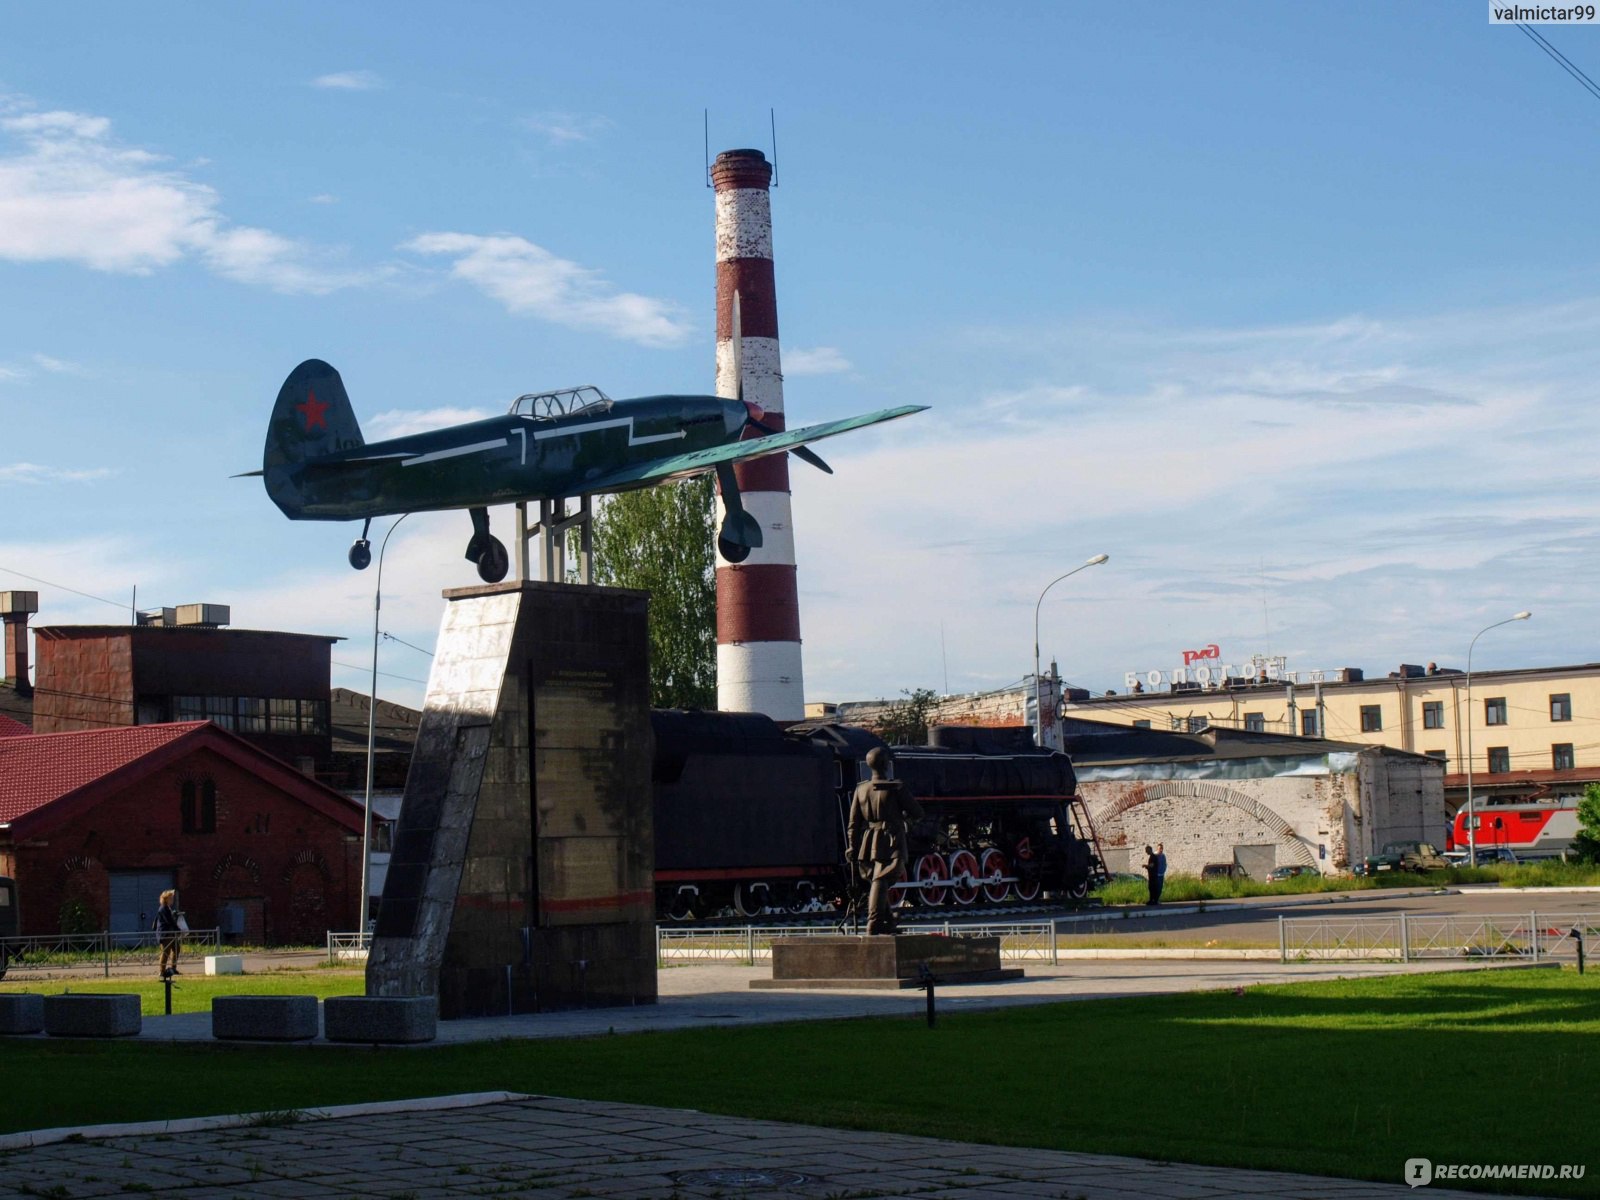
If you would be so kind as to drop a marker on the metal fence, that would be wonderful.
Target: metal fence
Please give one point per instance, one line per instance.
(75, 951)
(1529, 936)
(348, 947)
(753, 943)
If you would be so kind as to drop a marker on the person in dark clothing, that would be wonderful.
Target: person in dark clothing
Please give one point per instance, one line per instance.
(1161, 873)
(876, 850)
(1151, 876)
(169, 933)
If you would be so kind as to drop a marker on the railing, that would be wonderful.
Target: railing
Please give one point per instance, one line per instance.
(344, 947)
(753, 943)
(1530, 936)
(68, 951)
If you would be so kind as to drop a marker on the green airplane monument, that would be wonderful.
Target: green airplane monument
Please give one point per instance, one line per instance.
(550, 445)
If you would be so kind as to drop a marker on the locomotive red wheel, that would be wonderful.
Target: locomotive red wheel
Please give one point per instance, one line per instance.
(964, 863)
(993, 866)
(750, 899)
(933, 879)
(1027, 889)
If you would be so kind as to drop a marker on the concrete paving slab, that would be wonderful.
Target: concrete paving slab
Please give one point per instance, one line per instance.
(535, 1146)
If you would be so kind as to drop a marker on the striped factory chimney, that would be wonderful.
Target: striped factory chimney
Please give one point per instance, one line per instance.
(758, 602)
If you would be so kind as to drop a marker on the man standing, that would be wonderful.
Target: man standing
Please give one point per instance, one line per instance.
(1161, 873)
(876, 849)
(1154, 884)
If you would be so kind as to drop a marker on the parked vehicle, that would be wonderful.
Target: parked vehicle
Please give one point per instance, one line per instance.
(1403, 856)
(1486, 856)
(1230, 870)
(1294, 871)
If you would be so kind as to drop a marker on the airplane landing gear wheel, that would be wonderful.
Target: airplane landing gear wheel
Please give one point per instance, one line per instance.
(361, 554)
(493, 561)
(734, 552)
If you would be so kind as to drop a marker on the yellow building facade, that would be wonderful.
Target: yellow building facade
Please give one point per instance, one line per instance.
(1531, 732)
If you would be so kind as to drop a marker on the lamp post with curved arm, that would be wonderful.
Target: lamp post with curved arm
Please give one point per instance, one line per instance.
(372, 731)
(1038, 706)
(1472, 831)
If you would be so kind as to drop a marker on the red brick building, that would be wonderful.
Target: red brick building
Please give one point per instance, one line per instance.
(95, 824)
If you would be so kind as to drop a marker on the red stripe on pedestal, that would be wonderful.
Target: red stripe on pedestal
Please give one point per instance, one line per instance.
(757, 604)
(752, 278)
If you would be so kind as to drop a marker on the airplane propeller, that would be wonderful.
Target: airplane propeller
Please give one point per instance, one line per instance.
(756, 419)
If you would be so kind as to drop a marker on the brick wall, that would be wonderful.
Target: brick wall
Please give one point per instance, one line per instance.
(294, 871)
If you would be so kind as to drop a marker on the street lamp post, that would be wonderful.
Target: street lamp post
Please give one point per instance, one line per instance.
(1038, 706)
(372, 731)
(1472, 832)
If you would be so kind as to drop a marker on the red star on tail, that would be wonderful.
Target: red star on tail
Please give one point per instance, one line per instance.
(312, 410)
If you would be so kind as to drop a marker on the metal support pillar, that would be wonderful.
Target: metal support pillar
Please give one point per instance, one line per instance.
(551, 532)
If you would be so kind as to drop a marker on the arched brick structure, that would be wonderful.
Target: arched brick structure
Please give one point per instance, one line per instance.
(1109, 814)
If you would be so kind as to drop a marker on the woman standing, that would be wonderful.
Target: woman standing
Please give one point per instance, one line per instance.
(169, 933)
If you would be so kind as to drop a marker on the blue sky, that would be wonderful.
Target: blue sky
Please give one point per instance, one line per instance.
(1290, 309)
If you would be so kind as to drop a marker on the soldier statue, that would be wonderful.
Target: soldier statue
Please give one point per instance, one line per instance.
(876, 851)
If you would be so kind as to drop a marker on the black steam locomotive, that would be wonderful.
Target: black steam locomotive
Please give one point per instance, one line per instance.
(751, 817)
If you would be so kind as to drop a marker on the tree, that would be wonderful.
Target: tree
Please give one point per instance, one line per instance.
(905, 722)
(661, 540)
(1587, 844)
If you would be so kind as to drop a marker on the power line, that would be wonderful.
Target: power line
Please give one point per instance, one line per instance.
(391, 638)
(63, 587)
(1562, 61)
(385, 674)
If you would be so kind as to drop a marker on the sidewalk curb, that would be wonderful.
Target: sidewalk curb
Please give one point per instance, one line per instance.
(46, 1137)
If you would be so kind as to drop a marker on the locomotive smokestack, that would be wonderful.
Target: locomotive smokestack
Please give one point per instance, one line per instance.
(758, 602)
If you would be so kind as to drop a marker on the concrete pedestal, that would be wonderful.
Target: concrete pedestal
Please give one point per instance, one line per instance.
(21, 1012)
(224, 964)
(264, 1018)
(522, 877)
(884, 961)
(86, 1014)
(380, 1019)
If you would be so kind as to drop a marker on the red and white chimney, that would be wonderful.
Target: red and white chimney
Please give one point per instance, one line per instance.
(758, 601)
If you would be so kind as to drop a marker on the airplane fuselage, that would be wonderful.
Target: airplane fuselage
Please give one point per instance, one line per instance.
(501, 460)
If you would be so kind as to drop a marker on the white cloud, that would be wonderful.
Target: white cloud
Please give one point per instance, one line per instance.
(349, 81)
(323, 198)
(69, 192)
(529, 280)
(564, 128)
(819, 360)
(57, 366)
(25, 472)
(400, 422)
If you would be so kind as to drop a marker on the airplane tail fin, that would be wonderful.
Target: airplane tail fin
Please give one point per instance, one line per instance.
(311, 418)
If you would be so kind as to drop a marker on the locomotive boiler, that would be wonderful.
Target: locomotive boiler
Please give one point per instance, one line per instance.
(750, 817)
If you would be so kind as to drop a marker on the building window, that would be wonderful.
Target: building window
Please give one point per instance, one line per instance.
(1255, 723)
(252, 714)
(1494, 711)
(1561, 707)
(1442, 755)
(188, 708)
(284, 716)
(1499, 760)
(1562, 758)
(1371, 718)
(198, 806)
(1433, 714)
(1308, 723)
(219, 709)
(1141, 724)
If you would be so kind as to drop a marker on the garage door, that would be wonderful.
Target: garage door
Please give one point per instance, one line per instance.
(135, 897)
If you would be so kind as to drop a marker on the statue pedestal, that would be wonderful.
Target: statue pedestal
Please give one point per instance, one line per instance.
(884, 961)
(523, 872)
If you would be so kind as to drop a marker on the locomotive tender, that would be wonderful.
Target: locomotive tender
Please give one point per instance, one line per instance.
(751, 816)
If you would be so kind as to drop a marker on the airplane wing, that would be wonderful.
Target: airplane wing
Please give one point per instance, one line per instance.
(699, 461)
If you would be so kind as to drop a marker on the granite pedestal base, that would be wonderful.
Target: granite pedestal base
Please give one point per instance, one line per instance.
(21, 1012)
(85, 1014)
(264, 1018)
(380, 1019)
(884, 961)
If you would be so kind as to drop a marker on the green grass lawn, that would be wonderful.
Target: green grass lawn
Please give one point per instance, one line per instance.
(193, 993)
(1188, 888)
(1347, 1079)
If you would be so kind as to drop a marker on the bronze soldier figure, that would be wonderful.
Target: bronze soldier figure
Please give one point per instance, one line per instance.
(876, 850)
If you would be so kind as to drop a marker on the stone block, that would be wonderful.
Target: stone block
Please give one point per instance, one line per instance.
(264, 1018)
(373, 1019)
(21, 1012)
(87, 1014)
(224, 964)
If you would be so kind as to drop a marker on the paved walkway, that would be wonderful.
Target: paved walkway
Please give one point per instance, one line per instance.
(551, 1149)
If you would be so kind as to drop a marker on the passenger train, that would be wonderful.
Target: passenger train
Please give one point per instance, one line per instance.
(1527, 830)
